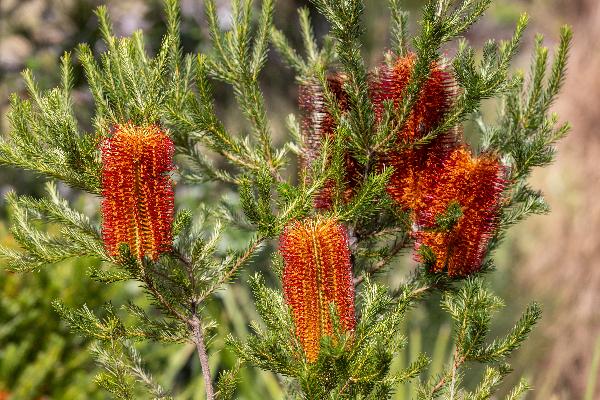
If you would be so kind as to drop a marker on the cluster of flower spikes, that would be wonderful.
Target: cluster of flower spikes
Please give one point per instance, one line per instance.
(318, 124)
(430, 178)
(475, 185)
(421, 180)
(137, 190)
(317, 272)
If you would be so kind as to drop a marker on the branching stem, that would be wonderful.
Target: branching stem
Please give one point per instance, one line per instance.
(398, 246)
(244, 257)
(198, 338)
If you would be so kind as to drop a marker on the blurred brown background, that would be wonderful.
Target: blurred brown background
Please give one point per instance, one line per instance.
(554, 259)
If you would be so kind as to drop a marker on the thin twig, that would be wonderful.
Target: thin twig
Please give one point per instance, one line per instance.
(398, 246)
(420, 290)
(158, 296)
(188, 266)
(233, 270)
(196, 328)
(455, 365)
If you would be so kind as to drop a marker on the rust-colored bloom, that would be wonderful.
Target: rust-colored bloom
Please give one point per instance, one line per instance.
(317, 272)
(138, 203)
(473, 184)
(318, 124)
(435, 98)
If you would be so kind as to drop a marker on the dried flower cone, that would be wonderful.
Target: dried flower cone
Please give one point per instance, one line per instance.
(435, 98)
(138, 203)
(317, 272)
(318, 123)
(476, 184)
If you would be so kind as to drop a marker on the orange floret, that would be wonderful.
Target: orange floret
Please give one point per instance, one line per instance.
(138, 198)
(473, 184)
(317, 272)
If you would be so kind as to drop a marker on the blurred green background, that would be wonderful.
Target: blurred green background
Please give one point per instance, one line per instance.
(553, 259)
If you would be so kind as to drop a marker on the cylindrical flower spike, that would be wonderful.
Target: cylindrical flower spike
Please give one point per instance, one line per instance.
(317, 272)
(435, 98)
(318, 123)
(138, 203)
(473, 184)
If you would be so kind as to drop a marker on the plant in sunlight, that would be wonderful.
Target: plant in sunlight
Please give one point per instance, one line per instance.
(383, 168)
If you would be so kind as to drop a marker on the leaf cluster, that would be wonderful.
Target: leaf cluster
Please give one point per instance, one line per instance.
(471, 308)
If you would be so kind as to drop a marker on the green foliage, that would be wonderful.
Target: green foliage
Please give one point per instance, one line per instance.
(315, 58)
(46, 360)
(127, 84)
(471, 309)
(526, 132)
(123, 369)
(45, 137)
(349, 366)
(77, 235)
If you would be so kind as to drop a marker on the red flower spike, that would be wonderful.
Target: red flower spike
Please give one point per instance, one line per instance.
(317, 272)
(436, 97)
(434, 100)
(476, 185)
(138, 203)
(317, 124)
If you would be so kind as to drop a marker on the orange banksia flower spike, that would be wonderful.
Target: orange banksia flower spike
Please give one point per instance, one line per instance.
(317, 272)
(474, 186)
(318, 123)
(435, 99)
(138, 198)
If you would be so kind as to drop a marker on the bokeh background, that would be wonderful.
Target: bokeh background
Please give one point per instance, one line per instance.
(554, 259)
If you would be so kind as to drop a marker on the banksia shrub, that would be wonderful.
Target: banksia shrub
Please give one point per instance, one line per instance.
(460, 212)
(451, 200)
(317, 272)
(317, 125)
(137, 208)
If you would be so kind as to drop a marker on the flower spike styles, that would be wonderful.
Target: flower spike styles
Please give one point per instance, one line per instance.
(138, 203)
(460, 212)
(317, 272)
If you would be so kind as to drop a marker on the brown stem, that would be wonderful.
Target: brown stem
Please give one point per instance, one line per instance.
(458, 361)
(197, 334)
(159, 297)
(198, 338)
